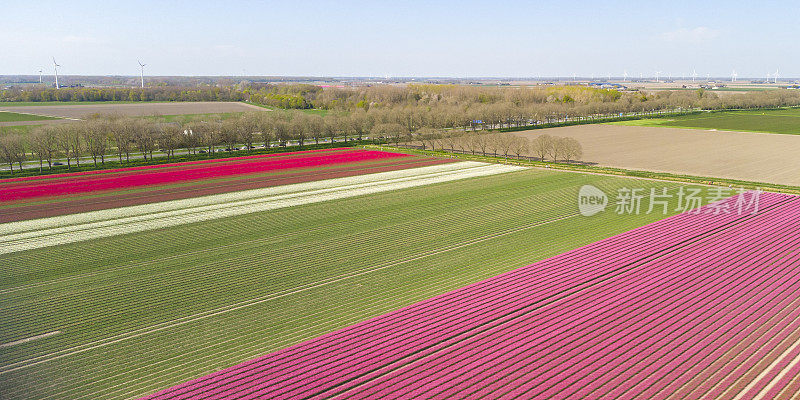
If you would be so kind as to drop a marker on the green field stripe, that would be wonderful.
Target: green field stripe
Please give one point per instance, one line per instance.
(308, 249)
(782, 121)
(167, 274)
(6, 116)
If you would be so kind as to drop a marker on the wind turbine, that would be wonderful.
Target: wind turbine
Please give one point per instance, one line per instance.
(733, 76)
(55, 68)
(142, 66)
(694, 74)
(625, 75)
(776, 75)
(657, 73)
(40, 75)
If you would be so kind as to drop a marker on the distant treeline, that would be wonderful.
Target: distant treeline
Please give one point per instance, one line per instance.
(39, 94)
(535, 102)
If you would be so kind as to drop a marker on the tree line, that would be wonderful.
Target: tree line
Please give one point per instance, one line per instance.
(499, 144)
(102, 136)
(531, 102)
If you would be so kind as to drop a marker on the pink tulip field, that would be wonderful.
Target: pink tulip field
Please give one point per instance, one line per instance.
(693, 306)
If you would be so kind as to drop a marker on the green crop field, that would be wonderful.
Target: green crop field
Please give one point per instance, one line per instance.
(17, 117)
(312, 111)
(66, 103)
(128, 315)
(785, 121)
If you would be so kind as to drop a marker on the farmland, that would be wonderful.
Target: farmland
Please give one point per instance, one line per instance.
(140, 299)
(694, 306)
(4, 104)
(17, 117)
(734, 155)
(28, 198)
(785, 121)
(131, 109)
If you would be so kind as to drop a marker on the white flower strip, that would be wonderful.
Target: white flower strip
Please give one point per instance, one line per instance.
(129, 211)
(156, 219)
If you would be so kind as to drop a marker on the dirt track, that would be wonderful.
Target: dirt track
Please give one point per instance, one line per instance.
(736, 155)
(135, 109)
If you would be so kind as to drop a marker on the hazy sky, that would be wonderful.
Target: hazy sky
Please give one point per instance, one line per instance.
(401, 38)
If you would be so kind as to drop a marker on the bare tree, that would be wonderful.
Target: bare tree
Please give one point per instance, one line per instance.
(229, 133)
(189, 138)
(12, 150)
(281, 131)
(361, 123)
(145, 139)
(75, 142)
(542, 146)
(572, 149)
(481, 142)
(520, 146)
(298, 128)
(504, 142)
(449, 140)
(170, 137)
(314, 127)
(331, 126)
(428, 137)
(206, 134)
(247, 126)
(122, 130)
(43, 145)
(94, 136)
(390, 131)
(558, 148)
(265, 123)
(63, 142)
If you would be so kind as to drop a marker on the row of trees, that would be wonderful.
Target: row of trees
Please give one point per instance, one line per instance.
(111, 135)
(533, 103)
(104, 136)
(90, 94)
(544, 147)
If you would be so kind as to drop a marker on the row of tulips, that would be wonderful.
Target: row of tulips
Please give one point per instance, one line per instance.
(692, 306)
(112, 180)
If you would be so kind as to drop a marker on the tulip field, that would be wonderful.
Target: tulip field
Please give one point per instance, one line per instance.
(693, 306)
(350, 273)
(50, 195)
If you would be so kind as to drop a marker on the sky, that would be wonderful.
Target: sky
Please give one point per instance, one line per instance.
(401, 38)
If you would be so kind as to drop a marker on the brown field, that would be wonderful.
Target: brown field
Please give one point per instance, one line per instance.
(735, 155)
(40, 122)
(136, 109)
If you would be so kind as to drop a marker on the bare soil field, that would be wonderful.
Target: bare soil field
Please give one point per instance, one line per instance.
(40, 122)
(137, 109)
(760, 157)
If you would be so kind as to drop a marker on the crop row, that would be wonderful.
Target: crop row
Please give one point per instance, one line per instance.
(102, 182)
(265, 253)
(25, 210)
(554, 328)
(177, 165)
(102, 224)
